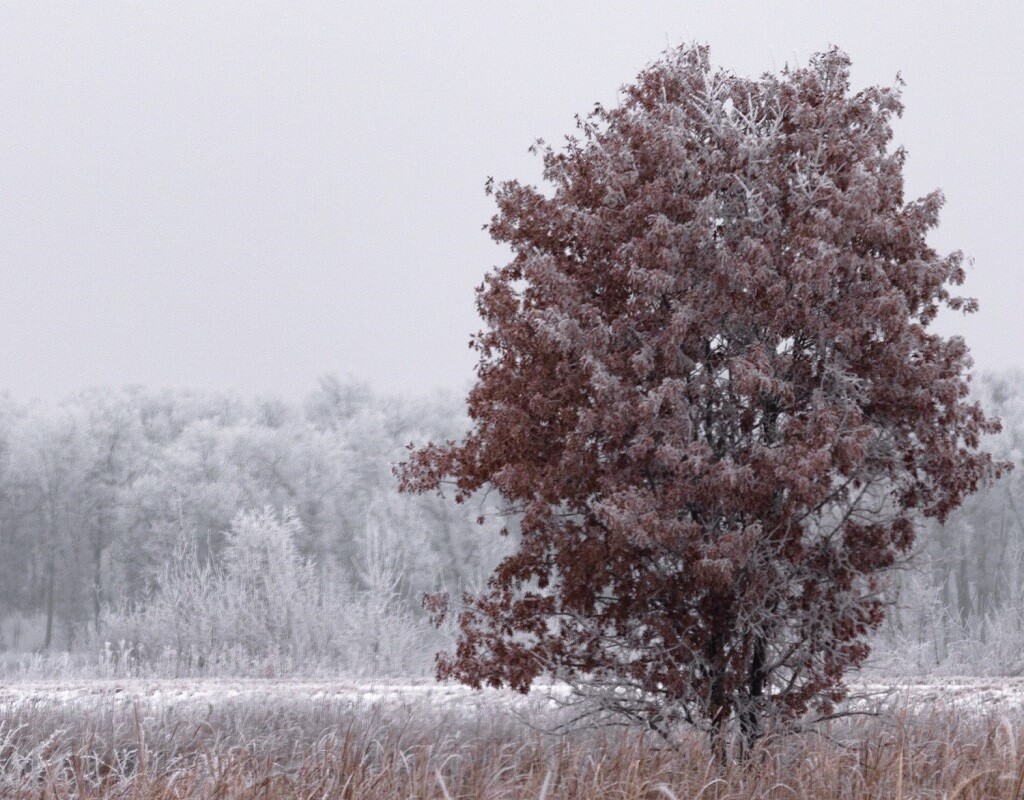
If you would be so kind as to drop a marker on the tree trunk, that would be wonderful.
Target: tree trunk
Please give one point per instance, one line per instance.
(51, 572)
(963, 586)
(718, 733)
(750, 721)
(97, 577)
(719, 707)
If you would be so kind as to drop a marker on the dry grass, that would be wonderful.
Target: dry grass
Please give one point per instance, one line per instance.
(334, 750)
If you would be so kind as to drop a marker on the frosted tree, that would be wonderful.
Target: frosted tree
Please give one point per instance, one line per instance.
(707, 382)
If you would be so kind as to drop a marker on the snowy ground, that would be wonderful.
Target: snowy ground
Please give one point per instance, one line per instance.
(997, 695)
(203, 692)
(978, 694)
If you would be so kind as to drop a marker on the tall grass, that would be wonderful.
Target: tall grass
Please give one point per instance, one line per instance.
(334, 749)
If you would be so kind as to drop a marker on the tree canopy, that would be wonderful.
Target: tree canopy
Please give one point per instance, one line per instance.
(708, 388)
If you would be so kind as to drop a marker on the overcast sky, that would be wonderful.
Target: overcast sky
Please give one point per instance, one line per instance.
(252, 194)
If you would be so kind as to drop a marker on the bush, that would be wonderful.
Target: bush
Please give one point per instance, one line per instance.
(263, 610)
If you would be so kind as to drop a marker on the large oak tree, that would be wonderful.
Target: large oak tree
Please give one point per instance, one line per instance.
(708, 385)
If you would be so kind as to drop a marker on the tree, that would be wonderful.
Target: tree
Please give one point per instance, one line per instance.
(50, 458)
(112, 452)
(708, 386)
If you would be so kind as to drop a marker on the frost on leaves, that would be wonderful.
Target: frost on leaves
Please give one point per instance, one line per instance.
(707, 382)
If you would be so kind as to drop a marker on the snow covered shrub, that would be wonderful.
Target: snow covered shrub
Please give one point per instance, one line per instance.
(264, 610)
(913, 639)
(927, 634)
(385, 636)
(270, 594)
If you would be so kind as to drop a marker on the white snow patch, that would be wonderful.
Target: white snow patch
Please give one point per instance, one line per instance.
(975, 694)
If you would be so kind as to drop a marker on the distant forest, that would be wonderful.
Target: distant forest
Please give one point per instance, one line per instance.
(114, 502)
(101, 494)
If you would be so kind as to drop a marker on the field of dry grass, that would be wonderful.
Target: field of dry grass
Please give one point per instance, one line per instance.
(244, 747)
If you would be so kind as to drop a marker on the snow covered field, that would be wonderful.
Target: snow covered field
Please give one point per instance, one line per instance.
(983, 695)
(189, 695)
(182, 693)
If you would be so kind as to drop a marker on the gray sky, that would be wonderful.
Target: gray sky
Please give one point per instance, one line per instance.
(251, 194)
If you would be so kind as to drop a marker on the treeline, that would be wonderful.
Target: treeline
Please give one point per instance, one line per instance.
(958, 603)
(101, 493)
